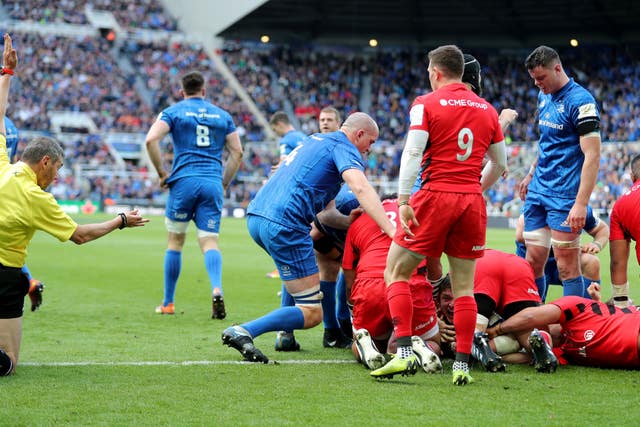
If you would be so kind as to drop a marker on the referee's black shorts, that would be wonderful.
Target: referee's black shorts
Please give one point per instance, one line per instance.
(14, 285)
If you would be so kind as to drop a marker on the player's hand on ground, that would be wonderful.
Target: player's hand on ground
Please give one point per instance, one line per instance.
(36, 288)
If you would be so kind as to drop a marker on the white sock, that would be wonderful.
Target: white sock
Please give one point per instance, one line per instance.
(404, 351)
(621, 295)
(459, 365)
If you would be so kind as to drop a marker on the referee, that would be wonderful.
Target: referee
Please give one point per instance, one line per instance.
(25, 207)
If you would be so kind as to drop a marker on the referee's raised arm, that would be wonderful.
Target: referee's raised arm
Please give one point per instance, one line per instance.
(9, 63)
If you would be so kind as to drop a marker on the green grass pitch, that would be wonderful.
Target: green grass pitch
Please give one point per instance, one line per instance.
(97, 354)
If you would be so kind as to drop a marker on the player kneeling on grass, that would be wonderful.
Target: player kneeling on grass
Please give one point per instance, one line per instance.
(280, 215)
(364, 262)
(503, 284)
(25, 207)
(491, 284)
(592, 333)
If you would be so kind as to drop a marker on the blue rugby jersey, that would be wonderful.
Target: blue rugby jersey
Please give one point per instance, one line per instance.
(290, 141)
(346, 201)
(307, 180)
(560, 159)
(199, 130)
(11, 134)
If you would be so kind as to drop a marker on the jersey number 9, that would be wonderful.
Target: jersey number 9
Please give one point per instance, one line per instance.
(465, 142)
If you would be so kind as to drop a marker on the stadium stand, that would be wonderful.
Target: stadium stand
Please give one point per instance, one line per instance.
(148, 14)
(121, 84)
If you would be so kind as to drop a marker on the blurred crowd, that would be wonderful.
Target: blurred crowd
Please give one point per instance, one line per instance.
(141, 14)
(74, 74)
(84, 74)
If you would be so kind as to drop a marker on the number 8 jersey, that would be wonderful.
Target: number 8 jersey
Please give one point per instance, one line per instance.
(198, 129)
(461, 126)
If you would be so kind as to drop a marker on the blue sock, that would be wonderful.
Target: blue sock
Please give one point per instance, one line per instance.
(286, 300)
(213, 264)
(573, 286)
(280, 319)
(587, 283)
(342, 309)
(26, 271)
(172, 266)
(329, 304)
(541, 283)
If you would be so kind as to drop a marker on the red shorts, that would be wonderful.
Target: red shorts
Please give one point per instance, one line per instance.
(453, 223)
(371, 310)
(508, 291)
(505, 279)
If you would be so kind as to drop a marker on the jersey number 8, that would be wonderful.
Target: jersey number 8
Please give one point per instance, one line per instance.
(202, 136)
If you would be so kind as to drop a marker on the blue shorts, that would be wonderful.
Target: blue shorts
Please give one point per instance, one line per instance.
(291, 250)
(542, 211)
(196, 198)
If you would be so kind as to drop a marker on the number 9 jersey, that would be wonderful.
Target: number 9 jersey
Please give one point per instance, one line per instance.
(461, 127)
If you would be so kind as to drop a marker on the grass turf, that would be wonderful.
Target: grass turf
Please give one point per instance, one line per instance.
(97, 354)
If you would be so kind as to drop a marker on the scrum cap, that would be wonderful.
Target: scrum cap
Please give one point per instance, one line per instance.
(471, 74)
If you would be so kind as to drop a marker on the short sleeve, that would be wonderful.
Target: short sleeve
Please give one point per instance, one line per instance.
(50, 218)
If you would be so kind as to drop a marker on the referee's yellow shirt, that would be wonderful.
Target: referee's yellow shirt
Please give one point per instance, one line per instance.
(25, 208)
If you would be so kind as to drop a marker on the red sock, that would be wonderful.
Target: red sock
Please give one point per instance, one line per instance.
(400, 307)
(465, 311)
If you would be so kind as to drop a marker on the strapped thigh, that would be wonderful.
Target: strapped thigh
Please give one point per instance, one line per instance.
(566, 244)
(311, 296)
(539, 237)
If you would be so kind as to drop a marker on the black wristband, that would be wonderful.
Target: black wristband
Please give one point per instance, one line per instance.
(402, 203)
(123, 218)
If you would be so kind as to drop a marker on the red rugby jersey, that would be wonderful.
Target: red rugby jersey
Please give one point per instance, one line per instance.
(461, 127)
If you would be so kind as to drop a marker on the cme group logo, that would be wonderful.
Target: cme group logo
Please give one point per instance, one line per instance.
(443, 102)
(588, 335)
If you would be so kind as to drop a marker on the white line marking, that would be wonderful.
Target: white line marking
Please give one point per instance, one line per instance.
(188, 363)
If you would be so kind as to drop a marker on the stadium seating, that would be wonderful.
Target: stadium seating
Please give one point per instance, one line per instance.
(123, 86)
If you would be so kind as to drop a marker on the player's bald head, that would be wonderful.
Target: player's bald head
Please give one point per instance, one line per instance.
(360, 120)
(361, 130)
